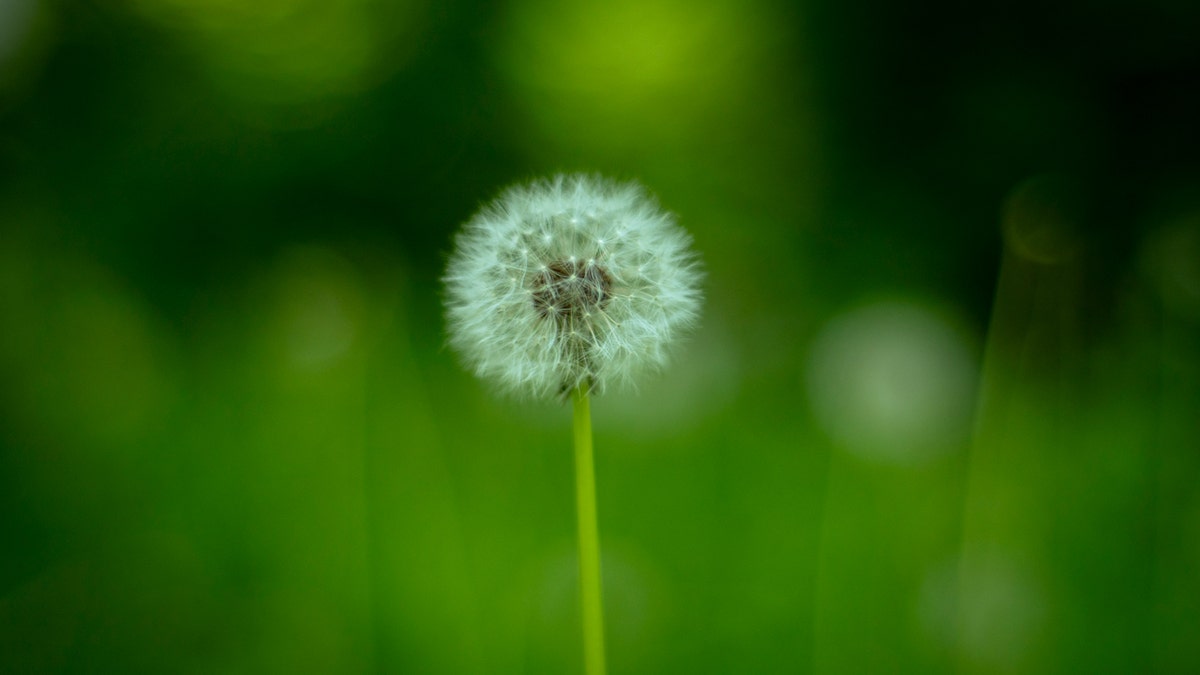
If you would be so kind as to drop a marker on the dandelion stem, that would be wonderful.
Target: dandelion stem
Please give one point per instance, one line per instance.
(589, 536)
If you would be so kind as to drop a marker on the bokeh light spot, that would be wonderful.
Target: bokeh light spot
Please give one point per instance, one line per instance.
(290, 51)
(86, 357)
(986, 607)
(1170, 257)
(892, 382)
(16, 21)
(1041, 219)
(318, 308)
(701, 381)
(636, 600)
(605, 74)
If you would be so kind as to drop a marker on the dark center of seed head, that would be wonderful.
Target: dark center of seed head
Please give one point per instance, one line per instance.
(568, 290)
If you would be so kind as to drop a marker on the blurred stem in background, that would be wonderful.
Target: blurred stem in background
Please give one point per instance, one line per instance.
(589, 536)
(1028, 395)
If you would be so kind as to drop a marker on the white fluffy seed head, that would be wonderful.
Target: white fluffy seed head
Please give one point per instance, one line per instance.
(567, 282)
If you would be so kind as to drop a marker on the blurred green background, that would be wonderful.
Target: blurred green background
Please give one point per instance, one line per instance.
(941, 414)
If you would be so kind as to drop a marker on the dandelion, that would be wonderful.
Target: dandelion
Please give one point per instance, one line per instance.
(563, 287)
(570, 282)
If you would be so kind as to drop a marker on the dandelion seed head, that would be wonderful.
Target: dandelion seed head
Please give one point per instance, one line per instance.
(571, 281)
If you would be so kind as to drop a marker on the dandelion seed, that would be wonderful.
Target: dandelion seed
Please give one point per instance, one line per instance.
(608, 280)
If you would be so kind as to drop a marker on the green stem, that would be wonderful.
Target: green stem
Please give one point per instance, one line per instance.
(589, 536)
